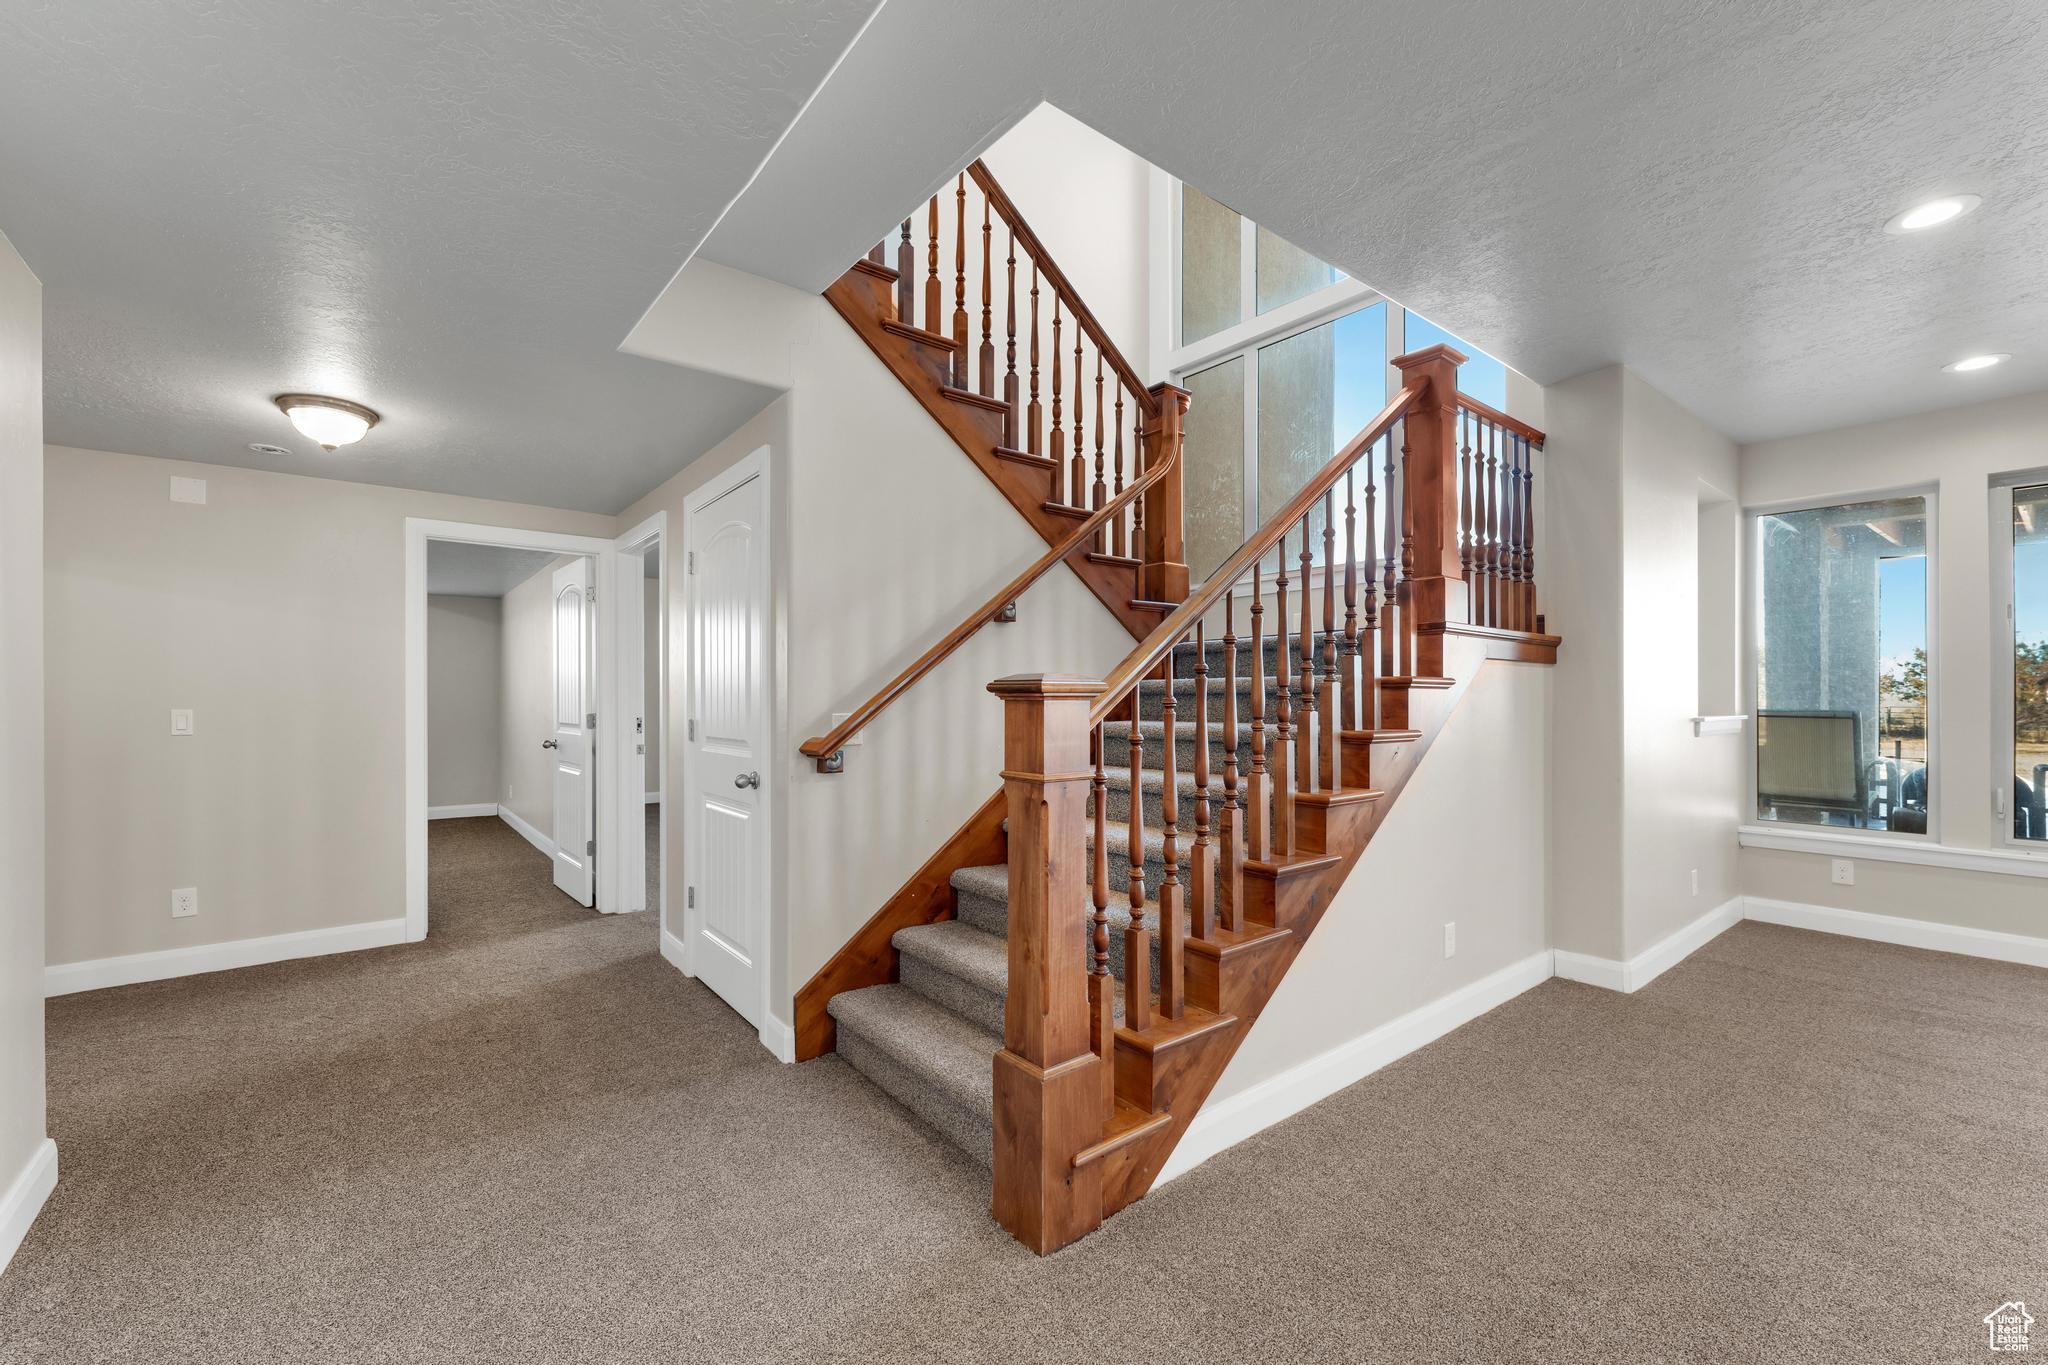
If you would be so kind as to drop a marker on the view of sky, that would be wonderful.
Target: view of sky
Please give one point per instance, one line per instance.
(1902, 610)
(2030, 598)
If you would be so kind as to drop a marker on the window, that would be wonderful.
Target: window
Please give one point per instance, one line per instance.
(2030, 664)
(1285, 359)
(1842, 666)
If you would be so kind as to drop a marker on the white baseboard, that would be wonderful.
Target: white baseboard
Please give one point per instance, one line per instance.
(526, 831)
(1225, 1123)
(673, 953)
(24, 1199)
(1909, 933)
(65, 978)
(468, 812)
(654, 798)
(779, 1038)
(1646, 966)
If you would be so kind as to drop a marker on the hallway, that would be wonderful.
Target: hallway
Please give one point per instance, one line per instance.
(530, 1139)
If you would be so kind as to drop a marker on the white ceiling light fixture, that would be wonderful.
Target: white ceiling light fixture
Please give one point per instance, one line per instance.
(1932, 214)
(1976, 362)
(332, 422)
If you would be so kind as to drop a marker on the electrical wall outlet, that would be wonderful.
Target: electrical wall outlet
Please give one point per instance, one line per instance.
(181, 721)
(1844, 872)
(185, 902)
(1450, 938)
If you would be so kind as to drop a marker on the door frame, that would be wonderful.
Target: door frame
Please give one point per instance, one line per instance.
(418, 531)
(628, 767)
(775, 1032)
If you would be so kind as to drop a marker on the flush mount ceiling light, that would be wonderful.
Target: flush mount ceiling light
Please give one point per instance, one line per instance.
(330, 421)
(1931, 214)
(1976, 362)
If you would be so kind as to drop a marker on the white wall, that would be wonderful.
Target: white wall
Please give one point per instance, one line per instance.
(27, 1160)
(1958, 453)
(1641, 802)
(276, 611)
(463, 644)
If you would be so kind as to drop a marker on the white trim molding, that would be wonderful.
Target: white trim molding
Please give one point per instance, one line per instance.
(1659, 958)
(25, 1197)
(1718, 725)
(779, 1038)
(674, 953)
(1225, 1123)
(1893, 848)
(66, 978)
(654, 798)
(462, 812)
(527, 831)
(1907, 933)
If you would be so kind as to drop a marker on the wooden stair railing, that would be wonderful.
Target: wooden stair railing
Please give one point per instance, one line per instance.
(827, 750)
(1086, 1108)
(1018, 370)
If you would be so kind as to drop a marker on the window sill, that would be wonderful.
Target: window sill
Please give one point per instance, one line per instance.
(1878, 848)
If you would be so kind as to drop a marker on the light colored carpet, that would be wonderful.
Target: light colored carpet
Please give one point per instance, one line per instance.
(529, 1139)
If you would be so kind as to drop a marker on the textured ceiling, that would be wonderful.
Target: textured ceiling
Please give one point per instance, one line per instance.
(451, 211)
(457, 569)
(1694, 189)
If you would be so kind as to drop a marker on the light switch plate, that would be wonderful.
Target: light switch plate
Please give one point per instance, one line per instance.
(188, 490)
(181, 721)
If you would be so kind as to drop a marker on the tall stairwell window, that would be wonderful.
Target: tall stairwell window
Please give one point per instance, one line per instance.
(1286, 358)
(2029, 618)
(1843, 724)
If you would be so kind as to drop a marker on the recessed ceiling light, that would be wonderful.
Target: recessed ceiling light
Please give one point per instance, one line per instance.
(262, 449)
(1933, 213)
(1976, 362)
(330, 421)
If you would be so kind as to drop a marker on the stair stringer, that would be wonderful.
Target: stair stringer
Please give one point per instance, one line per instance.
(1293, 896)
(922, 361)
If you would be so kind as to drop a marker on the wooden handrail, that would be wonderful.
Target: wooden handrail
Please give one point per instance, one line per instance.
(825, 749)
(1141, 661)
(1489, 413)
(1065, 287)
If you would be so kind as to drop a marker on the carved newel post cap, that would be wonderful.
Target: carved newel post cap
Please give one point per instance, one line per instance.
(1429, 355)
(1046, 685)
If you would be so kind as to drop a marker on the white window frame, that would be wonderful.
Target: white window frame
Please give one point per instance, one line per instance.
(1759, 832)
(2004, 668)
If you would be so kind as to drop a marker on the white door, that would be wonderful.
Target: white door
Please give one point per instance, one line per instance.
(575, 717)
(725, 848)
(629, 656)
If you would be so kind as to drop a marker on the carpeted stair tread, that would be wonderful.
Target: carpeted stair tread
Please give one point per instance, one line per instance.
(936, 1064)
(959, 949)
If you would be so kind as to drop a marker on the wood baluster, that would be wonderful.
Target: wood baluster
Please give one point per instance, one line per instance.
(1305, 709)
(1369, 670)
(1101, 489)
(1407, 585)
(1101, 985)
(1077, 482)
(932, 292)
(960, 370)
(988, 344)
(1032, 414)
(1202, 858)
(1138, 472)
(1326, 696)
(1258, 804)
(906, 279)
(1172, 932)
(1283, 747)
(1058, 450)
(1489, 530)
(1389, 603)
(1230, 829)
(1137, 943)
(1117, 524)
(1010, 416)
(1465, 524)
(1350, 667)
(1528, 536)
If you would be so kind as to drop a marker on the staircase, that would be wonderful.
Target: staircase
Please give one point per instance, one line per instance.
(1060, 986)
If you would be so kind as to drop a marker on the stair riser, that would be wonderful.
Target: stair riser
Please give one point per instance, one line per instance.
(1151, 699)
(973, 1132)
(1118, 804)
(1184, 653)
(993, 917)
(968, 999)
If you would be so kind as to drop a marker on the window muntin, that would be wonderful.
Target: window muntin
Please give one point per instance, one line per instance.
(2030, 664)
(1842, 666)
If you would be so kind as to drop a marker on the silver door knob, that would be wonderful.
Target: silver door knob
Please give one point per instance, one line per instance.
(548, 744)
(748, 780)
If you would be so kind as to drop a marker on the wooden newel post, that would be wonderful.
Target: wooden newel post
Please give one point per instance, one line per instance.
(1437, 590)
(1164, 577)
(1048, 1084)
